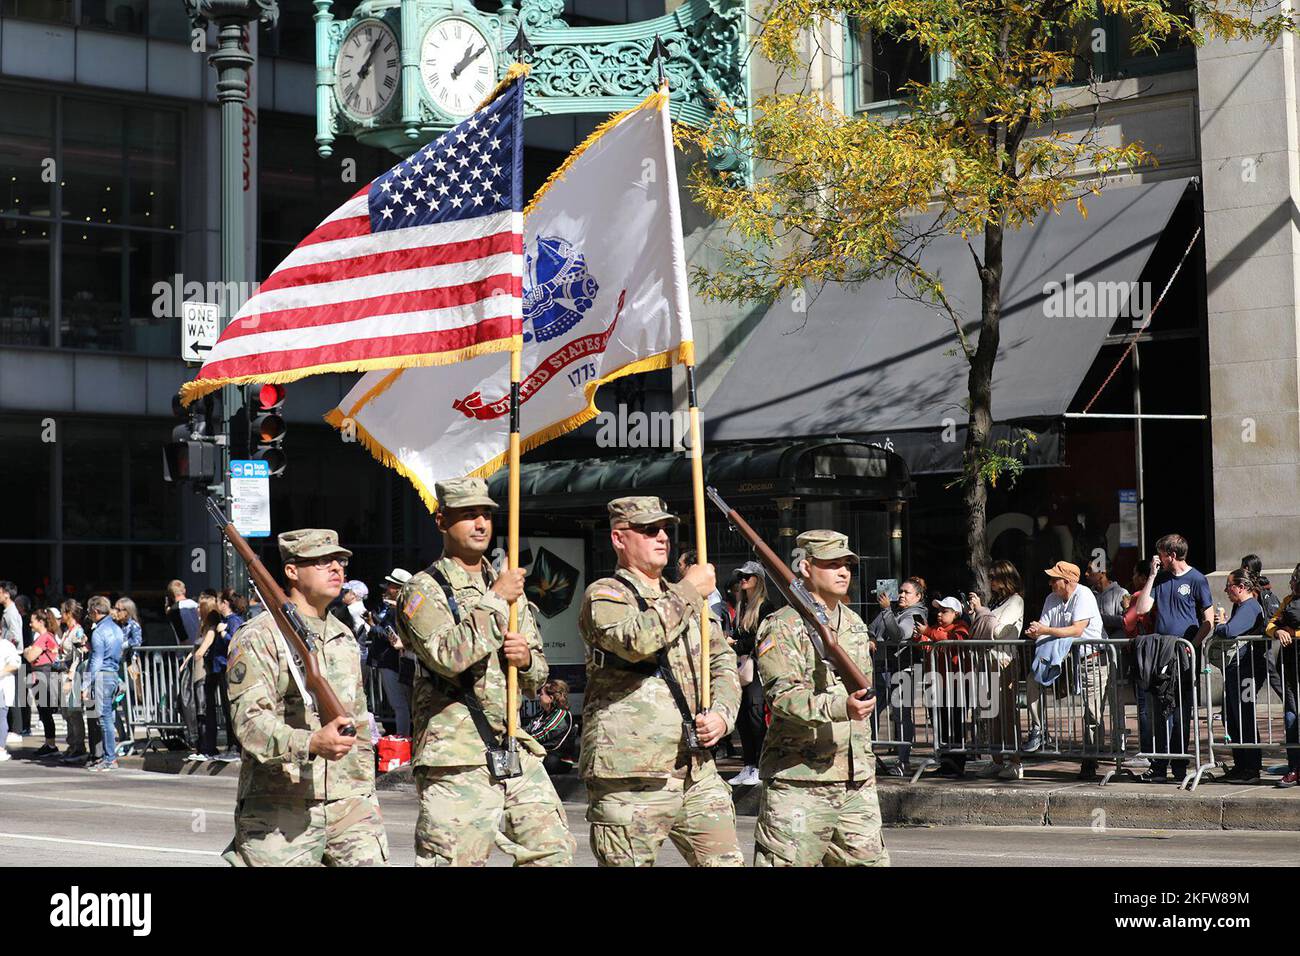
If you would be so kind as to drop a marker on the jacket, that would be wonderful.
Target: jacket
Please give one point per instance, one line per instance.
(1049, 654)
(956, 631)
(1160, 660)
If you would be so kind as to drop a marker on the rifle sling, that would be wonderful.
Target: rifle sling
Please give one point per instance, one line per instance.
(461, 692)
(665, 670)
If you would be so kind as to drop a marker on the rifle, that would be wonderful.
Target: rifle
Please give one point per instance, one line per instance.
(300, 639)
(799, 597)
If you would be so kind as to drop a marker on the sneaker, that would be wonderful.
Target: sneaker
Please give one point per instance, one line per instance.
(1154, 776)
(94, 765)
(895, 770)
(76, 757)
(991, 771)
(1290, 780)
(232, 756)
(1012, 771)
(46, 750)
(1035, 741)
(198, 757)
(746, 778)
(1088, 770)
(4, 755)
(104, 766)
(13, 740)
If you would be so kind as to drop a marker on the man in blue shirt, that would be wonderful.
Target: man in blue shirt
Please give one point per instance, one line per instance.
(106, 642)
(1184, 607)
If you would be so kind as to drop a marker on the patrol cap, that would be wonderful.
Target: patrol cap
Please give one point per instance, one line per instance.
(463, 493)
(310, 543)
(825, 546)
(640, 509)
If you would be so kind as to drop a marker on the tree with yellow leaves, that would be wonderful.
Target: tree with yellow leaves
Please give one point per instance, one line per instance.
(848, 198)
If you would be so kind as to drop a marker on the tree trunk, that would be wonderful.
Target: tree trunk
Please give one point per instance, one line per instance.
(980, 423)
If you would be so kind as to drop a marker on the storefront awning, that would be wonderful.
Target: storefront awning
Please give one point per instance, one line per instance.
(815, 470)
(868, 363)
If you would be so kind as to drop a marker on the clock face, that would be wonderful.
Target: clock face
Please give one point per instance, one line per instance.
(458, 65)
(367, 69)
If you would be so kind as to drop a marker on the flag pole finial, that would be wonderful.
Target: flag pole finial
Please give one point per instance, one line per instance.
(521, 47)
(658, 54)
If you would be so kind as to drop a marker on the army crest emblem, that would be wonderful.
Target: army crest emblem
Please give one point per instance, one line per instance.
(559, 289)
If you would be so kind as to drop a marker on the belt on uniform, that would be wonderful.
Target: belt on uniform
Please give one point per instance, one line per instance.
(614, 662)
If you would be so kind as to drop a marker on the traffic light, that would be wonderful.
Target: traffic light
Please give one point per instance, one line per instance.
(191, 455)
(265, 404)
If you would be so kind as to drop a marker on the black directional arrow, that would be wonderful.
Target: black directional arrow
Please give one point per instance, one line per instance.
(521, 48)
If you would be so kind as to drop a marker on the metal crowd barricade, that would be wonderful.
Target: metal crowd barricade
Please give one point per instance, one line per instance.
(155, 703)
(1169, 726)
(899, 723)
(1258, 684)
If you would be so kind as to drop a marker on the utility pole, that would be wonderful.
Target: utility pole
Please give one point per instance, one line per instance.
(233, 62)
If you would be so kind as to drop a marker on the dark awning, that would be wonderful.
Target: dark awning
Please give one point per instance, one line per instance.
(816, 470)
(865, 362)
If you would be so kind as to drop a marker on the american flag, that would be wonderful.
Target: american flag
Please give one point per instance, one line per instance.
(424, 266)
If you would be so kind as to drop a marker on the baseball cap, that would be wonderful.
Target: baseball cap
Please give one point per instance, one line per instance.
(951, 603)
(1065, 570)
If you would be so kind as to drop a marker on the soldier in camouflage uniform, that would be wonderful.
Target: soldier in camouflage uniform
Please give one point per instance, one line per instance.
(463, 654)
(306, 793)
(819, 804)
(643, 783)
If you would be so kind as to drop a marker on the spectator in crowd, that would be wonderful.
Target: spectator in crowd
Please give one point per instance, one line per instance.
(1179, 595)
(386, 651)
(943, 664)
(1110, 598)
(73, 648)
(553, 727)
(41, 657)
(1286, 636)
(1244, 669)
(11, 630)
(24, 725)
(210, 660)
(10, 664)
(350, 607)
(753, 609)
(233, 608)
(1271, 604)
(106, 643)
(718, 606)
(127, 616)
(182, 613)
(891, 630)
(1002, 620)
(1070, 614)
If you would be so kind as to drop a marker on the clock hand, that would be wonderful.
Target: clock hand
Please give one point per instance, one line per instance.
(370, 58)
(467, 60)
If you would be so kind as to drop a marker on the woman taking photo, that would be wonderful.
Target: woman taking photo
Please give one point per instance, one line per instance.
(752, 609)
(1006, 619)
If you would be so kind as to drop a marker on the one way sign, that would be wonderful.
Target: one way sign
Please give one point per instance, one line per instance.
(200, 326)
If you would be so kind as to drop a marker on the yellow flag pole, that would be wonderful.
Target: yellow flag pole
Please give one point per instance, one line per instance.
(512, 539)
(697, 488)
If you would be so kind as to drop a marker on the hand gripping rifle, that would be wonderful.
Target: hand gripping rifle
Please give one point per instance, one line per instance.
(300, 639)
(810, 609)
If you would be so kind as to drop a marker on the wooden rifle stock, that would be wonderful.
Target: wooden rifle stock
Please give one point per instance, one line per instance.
(285, 614)
(793, 590)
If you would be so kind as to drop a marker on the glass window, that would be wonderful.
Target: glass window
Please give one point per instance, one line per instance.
(28, 463)
(93, 288)
(1135, 60)
(29, 566)
(125, 16)
(92, 569)
(151, 258)
(294, 35)
(155, 504)
(883, 65)
(92, 173)
(153, 177)
(25, 291)
(94, 473)
(26, 151)
(169, 21)
(50, 11)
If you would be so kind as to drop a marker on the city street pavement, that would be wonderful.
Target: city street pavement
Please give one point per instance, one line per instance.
(53, 816)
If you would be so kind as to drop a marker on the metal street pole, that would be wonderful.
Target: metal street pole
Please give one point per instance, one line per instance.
(233, 63)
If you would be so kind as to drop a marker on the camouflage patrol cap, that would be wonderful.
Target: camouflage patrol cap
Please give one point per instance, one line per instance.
(825, 546)
(640, 509)
(463, 493)
(310, 543)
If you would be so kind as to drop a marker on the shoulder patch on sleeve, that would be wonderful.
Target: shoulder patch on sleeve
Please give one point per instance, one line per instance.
(412, 604)
(608, 594)
(765, 645)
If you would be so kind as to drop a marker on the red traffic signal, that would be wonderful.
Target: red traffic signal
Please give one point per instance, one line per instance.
(266, 426)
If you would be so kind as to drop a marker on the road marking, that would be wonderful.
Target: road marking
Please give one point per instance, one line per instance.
(133, 806)
(21, 781)
(1097, 858)
(111, 846)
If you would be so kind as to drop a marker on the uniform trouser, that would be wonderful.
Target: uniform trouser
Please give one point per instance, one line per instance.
(631, 817)
(273, 831)
(464, 813)
(809, 823)
(750, 722)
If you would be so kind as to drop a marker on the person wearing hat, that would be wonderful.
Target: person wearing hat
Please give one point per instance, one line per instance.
(1071, 614)
(306, 791)
(819, 805)
(645, 781)
(751, 611)
(454, 615)
(386, 651)
(949, 718)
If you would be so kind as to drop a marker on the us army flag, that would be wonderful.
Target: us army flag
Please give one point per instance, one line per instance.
(605, 295)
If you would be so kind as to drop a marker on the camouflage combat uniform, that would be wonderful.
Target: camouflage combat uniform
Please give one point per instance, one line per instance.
(819, 803)
(295, 809)
(463, 811)
(643, 784)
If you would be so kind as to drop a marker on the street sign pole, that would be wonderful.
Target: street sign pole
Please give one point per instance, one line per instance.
(233, 63)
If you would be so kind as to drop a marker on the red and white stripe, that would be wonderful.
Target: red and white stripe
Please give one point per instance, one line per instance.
(348, 298)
